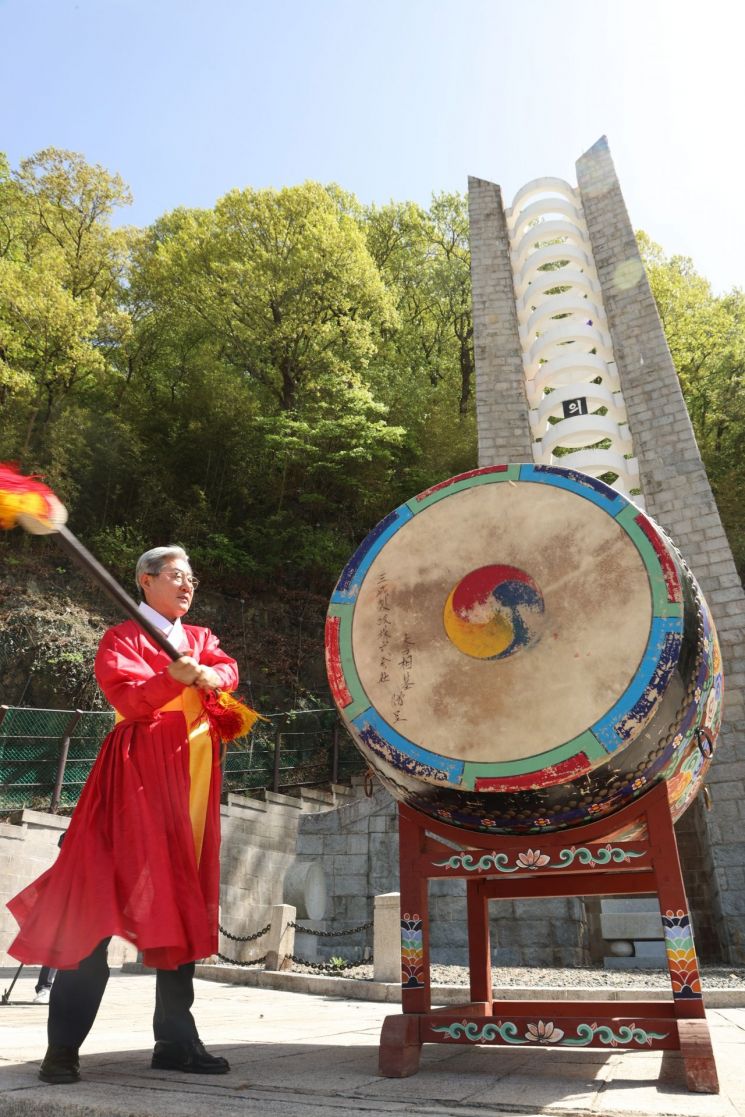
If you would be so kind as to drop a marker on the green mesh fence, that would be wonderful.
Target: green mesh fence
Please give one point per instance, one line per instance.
(306, 753)
(32, 743)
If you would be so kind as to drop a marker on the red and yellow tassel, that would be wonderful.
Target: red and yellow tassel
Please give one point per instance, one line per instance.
(228, 717)
(26, 502)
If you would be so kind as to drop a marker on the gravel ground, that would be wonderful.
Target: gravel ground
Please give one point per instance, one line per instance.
(586, 977)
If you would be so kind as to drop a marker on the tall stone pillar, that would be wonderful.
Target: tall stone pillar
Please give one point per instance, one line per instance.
(678, 495)
(501, 404)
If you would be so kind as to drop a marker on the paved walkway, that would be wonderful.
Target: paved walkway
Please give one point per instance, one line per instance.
(295, 1055)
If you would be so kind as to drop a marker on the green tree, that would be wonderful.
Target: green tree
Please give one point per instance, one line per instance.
(285, 283)
(424, 367)
(706, 336)
(61, 273)
(244, 383)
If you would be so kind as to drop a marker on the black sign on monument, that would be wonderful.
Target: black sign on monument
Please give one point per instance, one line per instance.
(574, 407)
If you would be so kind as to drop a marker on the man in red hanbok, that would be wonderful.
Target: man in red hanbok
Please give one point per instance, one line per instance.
(141, 855)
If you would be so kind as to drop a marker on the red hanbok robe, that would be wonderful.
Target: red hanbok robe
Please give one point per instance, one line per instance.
(141, 856)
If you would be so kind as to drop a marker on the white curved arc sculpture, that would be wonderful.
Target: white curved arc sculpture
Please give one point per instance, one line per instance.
(582, 368)
(571, 279)
(546, 233)
(578, 416)
(556, 256)
(552, 343)
(597, 396)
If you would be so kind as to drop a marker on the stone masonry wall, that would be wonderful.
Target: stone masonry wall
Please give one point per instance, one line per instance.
(27, 848)
(258, 848)
(679, 497)
(359, 847)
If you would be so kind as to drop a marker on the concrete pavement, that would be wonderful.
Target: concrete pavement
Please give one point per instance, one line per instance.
(296, 1055)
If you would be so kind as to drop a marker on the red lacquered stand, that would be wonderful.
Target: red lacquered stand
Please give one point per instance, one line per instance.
(579, 862)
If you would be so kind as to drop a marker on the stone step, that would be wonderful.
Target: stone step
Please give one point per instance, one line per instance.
(315, 798)
(317, 794)
(277, 799)
(42, 820)
(343, 791)
(244, 803)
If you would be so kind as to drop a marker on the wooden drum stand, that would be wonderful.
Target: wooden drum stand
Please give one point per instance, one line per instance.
(585, 862)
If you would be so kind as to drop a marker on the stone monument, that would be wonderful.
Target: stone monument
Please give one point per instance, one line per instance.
(572, 368)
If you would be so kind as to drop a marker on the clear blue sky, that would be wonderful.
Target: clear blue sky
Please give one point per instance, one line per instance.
(392, 99)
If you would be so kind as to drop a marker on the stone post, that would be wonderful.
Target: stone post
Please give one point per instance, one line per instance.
(387, 937)
(281, 938)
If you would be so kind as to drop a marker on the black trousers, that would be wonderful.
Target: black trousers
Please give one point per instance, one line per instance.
(46, 978)
(76, 996)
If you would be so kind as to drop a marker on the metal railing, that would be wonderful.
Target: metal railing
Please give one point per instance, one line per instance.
(294, 748)
(46, 755)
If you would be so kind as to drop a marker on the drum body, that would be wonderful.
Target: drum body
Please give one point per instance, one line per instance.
(520, 649)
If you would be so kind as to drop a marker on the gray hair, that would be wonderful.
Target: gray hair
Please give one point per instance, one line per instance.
(153, 561)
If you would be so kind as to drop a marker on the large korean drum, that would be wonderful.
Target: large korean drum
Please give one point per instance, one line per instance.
(520, 649)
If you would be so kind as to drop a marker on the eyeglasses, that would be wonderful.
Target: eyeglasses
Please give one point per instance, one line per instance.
(179, 578)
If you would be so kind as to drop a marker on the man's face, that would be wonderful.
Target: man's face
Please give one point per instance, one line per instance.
(170, 593)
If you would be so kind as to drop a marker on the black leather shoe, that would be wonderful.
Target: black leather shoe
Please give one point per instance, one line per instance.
(192, 1057)
(61, 1065)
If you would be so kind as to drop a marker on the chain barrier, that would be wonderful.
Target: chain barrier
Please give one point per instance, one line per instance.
(330, 934)
(329, 966)
(244, 938)
(298, 927)
(235, 962)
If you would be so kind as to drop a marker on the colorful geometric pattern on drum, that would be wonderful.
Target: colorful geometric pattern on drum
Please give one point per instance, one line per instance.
(406, 761)
(546, 1032)
(652, 738)
(412, 952)
(681, 956)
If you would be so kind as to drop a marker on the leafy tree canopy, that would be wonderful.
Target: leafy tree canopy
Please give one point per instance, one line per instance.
(265, 379)
(254, 379)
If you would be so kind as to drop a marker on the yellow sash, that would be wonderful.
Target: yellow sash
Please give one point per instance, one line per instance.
(200, 759)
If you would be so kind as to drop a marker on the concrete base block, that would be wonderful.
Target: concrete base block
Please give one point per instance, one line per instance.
(652, 948)
(387, 937)
(631, 925)
(613, 907)
(635, 963)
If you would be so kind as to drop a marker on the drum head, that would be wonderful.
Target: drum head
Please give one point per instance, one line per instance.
(510, 628)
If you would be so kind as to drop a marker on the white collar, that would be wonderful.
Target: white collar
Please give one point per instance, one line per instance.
(173, 629)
